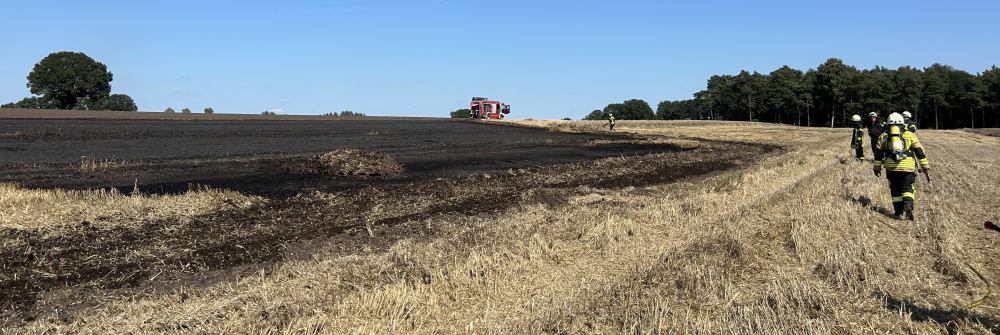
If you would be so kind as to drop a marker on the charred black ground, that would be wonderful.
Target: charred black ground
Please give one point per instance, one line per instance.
(248, 156)
(451, 168)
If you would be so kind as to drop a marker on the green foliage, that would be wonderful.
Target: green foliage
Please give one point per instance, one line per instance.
(68, 78)
(169, 110)
(464, 113)
(33, 103)
(633, 109)
(209, 110)
(939, 96)
(567, 119)
(350, 113)
(597, 114)
(115, 102)
(267, 113)
(185, 111)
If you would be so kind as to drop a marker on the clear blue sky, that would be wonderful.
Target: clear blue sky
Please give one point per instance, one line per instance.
(548, 59)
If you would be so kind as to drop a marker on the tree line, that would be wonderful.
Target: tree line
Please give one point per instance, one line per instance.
(939, 96)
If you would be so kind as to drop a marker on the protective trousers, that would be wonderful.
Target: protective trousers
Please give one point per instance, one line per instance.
(901, 188)
(873, 142)
(859, 152)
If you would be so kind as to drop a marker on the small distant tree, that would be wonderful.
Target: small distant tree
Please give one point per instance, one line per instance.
(186, 111)
(268, 113)
(350, 113)
(330, 114)
(209, 110)
(116, 102)
(567, 119)
(463, 113)
(169, 110)
(597, 114)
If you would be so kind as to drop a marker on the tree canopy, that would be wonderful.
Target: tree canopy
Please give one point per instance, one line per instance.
(632, 109)
(69, 77)
(72, 80)
(117, 102)
(939, 96)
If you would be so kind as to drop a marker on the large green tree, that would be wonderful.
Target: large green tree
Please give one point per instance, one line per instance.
(935, 92)
(68, 78)
(632, 109)
(991, 95)
(784, 87)
(831, 89)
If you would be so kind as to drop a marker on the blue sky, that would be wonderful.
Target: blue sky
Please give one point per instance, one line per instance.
(548, 59)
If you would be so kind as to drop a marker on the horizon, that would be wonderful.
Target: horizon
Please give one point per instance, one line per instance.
(412, 58)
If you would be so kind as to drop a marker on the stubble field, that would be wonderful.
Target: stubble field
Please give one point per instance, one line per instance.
(671, 227)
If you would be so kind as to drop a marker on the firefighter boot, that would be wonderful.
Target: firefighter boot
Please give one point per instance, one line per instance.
(908, 211)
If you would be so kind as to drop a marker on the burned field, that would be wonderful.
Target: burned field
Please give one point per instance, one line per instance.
(344, 187)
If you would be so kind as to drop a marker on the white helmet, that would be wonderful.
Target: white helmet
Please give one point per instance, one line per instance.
(872, 114)
(907, 114)
(856, 118)
(895, 118)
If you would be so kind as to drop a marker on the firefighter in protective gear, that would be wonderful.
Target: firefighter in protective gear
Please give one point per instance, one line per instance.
(900, 153)
(857, 137)
(874, 129)
(611, 122)
(910, 124)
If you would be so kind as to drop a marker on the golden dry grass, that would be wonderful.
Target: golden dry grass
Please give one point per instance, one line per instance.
(795, 244)
(26, 208)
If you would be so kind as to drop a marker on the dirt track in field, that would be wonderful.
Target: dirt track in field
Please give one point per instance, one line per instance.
(452, 168)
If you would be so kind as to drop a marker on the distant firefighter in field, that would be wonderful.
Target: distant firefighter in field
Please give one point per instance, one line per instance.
(899, 151)
(874, 129)
(910, 124)
(611, 122)
(857, 137)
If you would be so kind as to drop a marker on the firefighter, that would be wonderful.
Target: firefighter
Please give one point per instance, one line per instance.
(874, 129)
(857, 138)
(611, 122)
(900, 152)
(910, 124)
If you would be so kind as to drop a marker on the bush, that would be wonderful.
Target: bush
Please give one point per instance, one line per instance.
(463, 113)
(115, 102)
(169, 110)
(209, 110)
(567, 119)
(186, 111)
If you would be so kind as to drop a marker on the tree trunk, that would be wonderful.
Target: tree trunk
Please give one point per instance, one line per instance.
(798, 112)
(972, 117)
(809, 116)
(936, 119)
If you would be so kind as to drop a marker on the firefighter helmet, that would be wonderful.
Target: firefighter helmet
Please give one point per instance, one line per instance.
(895, 118)
(907, 114)
(856, 118)
(872, 114)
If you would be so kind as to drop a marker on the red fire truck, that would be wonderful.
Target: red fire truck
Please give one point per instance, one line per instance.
(484, 108)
